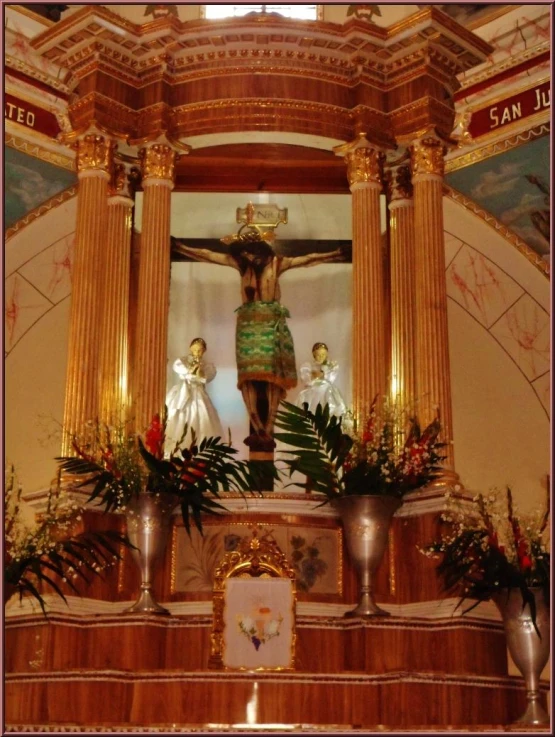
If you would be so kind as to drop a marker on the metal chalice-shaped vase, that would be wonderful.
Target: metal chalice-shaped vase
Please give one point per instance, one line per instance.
(148, 526)
(529, 650)
(366, 521)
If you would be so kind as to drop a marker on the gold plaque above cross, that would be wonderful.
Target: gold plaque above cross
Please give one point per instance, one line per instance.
(264, 216)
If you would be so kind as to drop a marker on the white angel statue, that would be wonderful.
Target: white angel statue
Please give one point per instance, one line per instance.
(188, 402)
(319, 378)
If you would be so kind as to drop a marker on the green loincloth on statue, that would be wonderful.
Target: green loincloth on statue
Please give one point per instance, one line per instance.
(264, 345)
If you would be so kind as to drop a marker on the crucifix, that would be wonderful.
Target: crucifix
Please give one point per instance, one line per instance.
(263, 343)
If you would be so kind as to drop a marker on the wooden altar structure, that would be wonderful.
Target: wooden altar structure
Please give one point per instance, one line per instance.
(354, 107)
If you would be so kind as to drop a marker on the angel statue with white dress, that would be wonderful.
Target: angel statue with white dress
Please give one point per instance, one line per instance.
(319, 378)
(188, 402)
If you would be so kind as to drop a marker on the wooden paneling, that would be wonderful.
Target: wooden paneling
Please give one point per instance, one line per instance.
(404, 576)
(174, 698)
(130, 643)
(256, 167)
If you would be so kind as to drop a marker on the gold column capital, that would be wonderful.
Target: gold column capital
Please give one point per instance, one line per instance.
(364, 161)
(427, 157)
(95, 155)
(119, 189)
(399, 184)
(158, 164)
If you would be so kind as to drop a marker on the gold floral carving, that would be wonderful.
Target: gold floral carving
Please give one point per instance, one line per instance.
(427, 156)
(158, 162)
(95, 153)
(364, 165)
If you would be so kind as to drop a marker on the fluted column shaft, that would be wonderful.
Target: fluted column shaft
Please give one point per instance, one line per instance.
(94, 162)
(114, 329)
(158, 163)
(402, 269)
(433, 374)
(369, 359)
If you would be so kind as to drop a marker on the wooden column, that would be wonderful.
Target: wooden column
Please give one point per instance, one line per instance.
(94, 163)
(433, 375)
(369, 359)
(158, 171)
(114, 330)
(403, 323)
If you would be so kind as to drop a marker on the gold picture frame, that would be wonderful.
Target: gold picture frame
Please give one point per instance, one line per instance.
(254, 610)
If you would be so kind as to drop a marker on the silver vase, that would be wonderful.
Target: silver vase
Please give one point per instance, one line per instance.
(529, 651)
(148, 525)
(366, 520)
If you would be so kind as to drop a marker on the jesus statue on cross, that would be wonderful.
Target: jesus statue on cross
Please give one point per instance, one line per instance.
(263, 343)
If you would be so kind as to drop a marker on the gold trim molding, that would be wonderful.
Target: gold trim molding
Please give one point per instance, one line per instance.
(498, 147)
(31, 216)
(503, 66)
(38, 152)
(534, 258)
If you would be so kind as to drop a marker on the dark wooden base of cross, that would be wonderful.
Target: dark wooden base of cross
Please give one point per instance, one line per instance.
(261, 445)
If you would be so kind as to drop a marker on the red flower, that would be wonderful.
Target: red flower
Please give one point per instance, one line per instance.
(193, 473)
(154, 437)
(368, 434)
(525, 563)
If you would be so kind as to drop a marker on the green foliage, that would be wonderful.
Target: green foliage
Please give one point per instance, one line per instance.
(69, 561)
(320, 446)
(118, 466)
(46, 552)
(487, 552)
(373, 461)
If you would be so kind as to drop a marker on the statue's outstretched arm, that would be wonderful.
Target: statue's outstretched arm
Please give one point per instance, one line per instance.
(312, 258)
(204, 254)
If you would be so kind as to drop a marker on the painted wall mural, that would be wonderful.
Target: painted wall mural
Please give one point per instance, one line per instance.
(29, 182)
(514, 187)
(313, 551)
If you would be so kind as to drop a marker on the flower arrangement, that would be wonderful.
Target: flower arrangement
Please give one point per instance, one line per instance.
(49, 552)
(119, 465)
(379, 458)
(493, 548)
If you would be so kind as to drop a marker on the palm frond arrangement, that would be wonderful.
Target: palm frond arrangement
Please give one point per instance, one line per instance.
(492, 548)
(48, 552)
(119, 465)
(379, 459)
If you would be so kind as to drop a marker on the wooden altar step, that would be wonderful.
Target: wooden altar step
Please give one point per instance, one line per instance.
(112, 671)
(215, 699)
(124, 642)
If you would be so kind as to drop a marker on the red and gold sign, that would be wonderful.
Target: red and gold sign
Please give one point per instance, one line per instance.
(30, 116)
(517, 107)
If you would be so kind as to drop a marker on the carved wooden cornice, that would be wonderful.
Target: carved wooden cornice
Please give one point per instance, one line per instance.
(302, 70)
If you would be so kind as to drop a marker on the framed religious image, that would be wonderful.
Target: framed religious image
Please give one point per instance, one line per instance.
(258, 624)
(254, 605)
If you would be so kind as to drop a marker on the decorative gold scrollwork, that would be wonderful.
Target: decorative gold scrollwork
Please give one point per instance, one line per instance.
(95, 152)
(364, 165)
(427, 156)
(158, 162)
